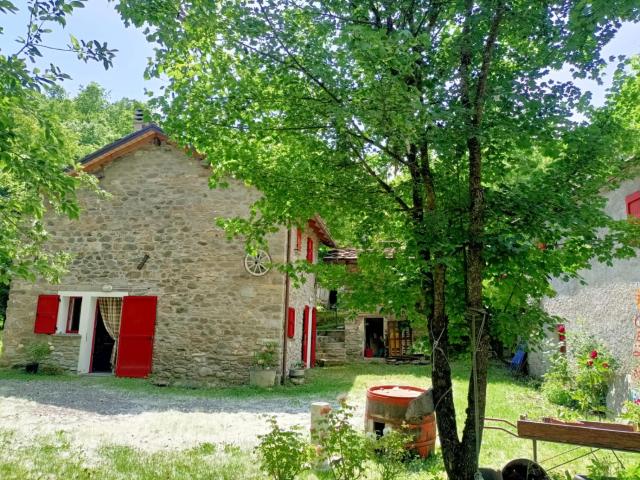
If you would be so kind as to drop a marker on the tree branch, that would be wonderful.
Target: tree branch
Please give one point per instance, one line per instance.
(384, 185)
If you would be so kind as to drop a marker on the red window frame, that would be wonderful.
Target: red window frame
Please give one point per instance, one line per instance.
(298, 239)
(70, 312)
(630, 200)
(309, 249)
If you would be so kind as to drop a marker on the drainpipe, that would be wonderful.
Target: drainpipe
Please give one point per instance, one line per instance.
(286, 309)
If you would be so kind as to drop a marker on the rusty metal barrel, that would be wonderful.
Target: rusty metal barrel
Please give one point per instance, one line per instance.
(387, 406)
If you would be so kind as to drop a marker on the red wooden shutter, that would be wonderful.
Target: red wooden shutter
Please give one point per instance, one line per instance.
(309, 249)
(314, 331)
(305, 335)
(135, 343)
(633, 204)
(291, 322)
(46, 314)
(298, 239)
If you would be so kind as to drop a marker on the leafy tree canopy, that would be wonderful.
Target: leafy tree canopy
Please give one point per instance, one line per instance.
(36, 150)
(429, 134)
(91, 117)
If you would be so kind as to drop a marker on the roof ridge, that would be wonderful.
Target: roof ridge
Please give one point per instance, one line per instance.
(152, 127)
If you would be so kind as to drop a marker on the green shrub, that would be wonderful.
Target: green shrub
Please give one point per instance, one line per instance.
(346, 450)
(557, 381)
(284, 454)
(631, 412)
(51, 370)
(391, 452)
(267, 356)
(38, 351)
(606, 468)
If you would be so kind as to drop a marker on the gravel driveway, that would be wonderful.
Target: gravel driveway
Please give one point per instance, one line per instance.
(94, 415)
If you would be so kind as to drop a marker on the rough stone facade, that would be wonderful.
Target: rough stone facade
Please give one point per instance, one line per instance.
(605, 307)
(302, 294)
(212, 315)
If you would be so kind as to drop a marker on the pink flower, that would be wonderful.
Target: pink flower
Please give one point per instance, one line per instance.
(594, 354)
(561, 328)
(605, 365)
(590, 363)
(637, 401)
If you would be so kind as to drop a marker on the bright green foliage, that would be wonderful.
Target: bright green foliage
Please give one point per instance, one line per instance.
(38, 351)
(428, 134)
(315, 106)
(606, 469)
(631, 412)
(36, 151)
(342, 447)
(92, 119)
(556, 381)
(266, 357)
(391, 452)
(284, 453)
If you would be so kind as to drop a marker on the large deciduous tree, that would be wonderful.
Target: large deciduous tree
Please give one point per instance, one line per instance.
(428, 133)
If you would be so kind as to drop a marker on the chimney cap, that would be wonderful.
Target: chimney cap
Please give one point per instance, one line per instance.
(138, 115)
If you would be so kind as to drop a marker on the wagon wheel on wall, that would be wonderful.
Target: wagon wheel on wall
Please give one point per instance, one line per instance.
(258, 264)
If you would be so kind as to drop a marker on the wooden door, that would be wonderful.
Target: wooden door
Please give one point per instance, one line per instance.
(135, 342)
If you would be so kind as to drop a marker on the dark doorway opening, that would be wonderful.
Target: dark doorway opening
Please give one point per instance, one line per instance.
(102, 346)
(374, 337)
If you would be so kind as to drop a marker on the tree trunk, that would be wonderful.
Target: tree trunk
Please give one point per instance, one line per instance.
(459, 456)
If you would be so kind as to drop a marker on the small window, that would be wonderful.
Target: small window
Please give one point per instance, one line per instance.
(309, 249)
(73, 317)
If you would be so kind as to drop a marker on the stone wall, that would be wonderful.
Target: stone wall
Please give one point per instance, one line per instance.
(605, 307)
(354, 337)
(212, 315)
(65, 351)
(301, 294)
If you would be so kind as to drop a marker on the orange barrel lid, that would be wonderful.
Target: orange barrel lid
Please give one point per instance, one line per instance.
(396, 394)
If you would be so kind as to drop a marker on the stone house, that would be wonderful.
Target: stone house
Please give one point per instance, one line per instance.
(155, 287)
(607, 307)
(361, 330)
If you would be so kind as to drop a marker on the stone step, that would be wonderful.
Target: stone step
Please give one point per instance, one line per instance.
(322, 338)
(332, 349)
(330, 363)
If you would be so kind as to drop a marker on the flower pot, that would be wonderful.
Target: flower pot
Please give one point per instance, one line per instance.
(32, 367)
(296, 375)
(262, 377)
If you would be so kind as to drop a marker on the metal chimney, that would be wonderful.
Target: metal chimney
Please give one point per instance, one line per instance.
(138, 120)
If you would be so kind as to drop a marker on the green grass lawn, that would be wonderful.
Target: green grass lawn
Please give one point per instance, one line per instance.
(508, 398)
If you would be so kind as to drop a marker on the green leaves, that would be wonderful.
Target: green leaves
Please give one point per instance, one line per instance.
(428, 135)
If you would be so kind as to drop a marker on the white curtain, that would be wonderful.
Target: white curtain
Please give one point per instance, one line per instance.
(110, 309)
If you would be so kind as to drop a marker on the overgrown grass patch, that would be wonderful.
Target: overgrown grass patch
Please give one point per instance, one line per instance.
(53, 458)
